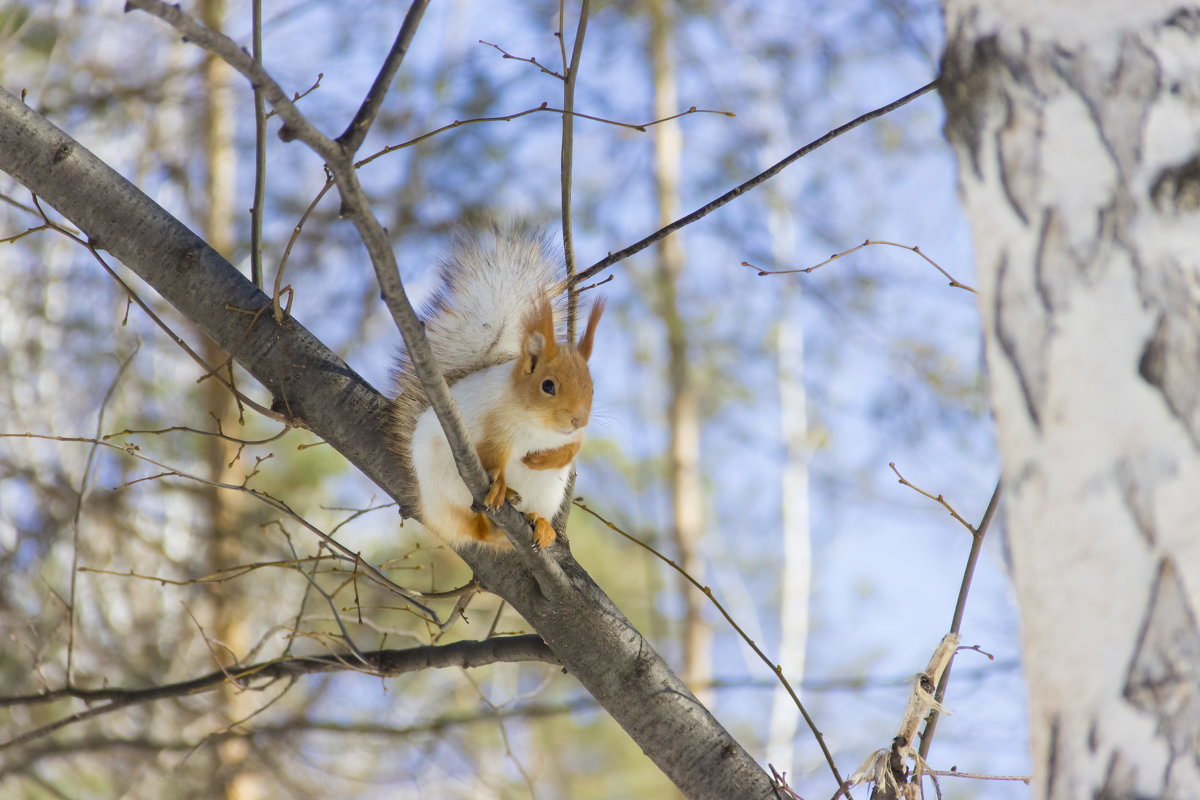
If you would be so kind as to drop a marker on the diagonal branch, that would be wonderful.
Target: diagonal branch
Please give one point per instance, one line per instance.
(352, 138)
(742, 188)
(594, 641)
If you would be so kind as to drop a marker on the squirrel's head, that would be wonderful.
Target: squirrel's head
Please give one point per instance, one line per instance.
(551, 378)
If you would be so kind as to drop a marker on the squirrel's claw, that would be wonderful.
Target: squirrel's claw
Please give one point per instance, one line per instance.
(543, 531)
(497, 492)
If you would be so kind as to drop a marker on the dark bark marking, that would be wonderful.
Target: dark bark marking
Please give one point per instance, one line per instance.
(1152, 366)
(1119, 780)
(1052, 757)
(1186, 19)
(1136, 480)
(1163, 680)
(1170, 356)
(1032, 385)
(1176, 190)
(967, 88)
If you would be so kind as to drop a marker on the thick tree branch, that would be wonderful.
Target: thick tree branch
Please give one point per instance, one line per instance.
(586, 631)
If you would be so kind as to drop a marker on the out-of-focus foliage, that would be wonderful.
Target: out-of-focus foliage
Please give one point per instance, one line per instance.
(892, 373)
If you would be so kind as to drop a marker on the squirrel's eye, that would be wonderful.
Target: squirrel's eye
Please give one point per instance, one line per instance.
(548, 387)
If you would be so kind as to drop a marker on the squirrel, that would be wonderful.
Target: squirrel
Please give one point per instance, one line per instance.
(524, 395)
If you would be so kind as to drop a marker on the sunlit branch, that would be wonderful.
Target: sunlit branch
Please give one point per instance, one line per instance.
(936, 498)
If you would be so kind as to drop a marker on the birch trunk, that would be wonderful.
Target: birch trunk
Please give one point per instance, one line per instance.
(683, 415)
(1075, 125)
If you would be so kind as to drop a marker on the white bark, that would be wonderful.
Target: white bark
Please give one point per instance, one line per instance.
(1075, 126)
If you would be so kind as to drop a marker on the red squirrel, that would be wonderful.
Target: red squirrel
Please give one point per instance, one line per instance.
(524, 395)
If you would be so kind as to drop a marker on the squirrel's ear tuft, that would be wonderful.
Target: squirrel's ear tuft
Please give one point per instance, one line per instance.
(538, 341)
(589, 333)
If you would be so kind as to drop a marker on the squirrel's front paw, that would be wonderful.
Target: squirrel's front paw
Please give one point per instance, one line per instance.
(497, 492)
(543, 531)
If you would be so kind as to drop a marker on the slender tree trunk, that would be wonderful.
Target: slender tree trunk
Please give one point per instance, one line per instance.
(1075, 127)
(795, 572)
(224, 511)
(683, 415)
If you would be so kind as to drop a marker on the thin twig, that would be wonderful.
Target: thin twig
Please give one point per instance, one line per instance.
(739, 190)
(530, 60)
(260, 152)
(80, 496)
(867, 243)
(280, 313)
(388, 663)
(299, 95)
(219, 434)
(951, 773)
(567, 156)
(977, 535)
(636, 126)
(938, 499)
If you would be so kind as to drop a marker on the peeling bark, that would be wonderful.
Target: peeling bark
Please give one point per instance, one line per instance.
(1074, 124)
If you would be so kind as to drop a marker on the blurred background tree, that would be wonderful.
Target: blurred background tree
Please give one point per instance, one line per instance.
(696, 407)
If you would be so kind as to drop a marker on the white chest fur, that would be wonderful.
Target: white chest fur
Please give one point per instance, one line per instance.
(485, 399)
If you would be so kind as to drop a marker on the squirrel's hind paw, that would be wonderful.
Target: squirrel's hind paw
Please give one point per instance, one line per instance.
(543, 531)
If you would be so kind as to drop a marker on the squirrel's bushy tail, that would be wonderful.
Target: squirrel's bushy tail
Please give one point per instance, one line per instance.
(489, 282)
(492, 277)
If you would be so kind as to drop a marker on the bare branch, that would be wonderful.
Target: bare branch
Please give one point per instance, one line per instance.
(566, 171)
(458, 123)
(867, 243)
(960, 606)
(938, 499)
(384, 663)
(529, 60)
(352, 138)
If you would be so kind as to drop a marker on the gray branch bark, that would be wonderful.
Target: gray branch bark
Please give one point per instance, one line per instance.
(587, 632)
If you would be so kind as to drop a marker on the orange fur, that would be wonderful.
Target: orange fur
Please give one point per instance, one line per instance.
(557, 458)
(543, 531)
(589, 333)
